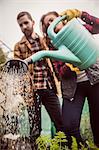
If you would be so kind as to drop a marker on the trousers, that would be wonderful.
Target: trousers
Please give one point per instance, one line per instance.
(72, 110)
(52, 104)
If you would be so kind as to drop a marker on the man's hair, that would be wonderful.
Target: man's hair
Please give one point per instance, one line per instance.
(23, 13)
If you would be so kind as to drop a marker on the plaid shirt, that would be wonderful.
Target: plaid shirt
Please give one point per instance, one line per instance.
(39, 71)
(92, 25)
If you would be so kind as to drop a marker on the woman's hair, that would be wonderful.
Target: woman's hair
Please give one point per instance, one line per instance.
(42, 25)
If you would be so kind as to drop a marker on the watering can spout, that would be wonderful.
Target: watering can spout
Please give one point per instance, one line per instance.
(63, 54)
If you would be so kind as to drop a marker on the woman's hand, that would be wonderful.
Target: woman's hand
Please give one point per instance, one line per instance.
(71, 13)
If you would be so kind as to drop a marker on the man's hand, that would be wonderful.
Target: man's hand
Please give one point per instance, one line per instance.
(71, 13)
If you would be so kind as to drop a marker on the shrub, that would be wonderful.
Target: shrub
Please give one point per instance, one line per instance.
(58, 143)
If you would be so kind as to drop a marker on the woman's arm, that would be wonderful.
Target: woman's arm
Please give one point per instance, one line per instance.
(92, 23)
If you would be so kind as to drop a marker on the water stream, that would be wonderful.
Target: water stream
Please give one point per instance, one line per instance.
(16, 96)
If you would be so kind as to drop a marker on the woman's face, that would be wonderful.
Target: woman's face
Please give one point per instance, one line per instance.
(49, 19)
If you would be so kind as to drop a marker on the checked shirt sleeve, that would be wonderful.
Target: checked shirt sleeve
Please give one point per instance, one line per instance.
(92, 23)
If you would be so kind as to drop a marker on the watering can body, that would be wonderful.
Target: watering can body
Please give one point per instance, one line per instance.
(75, 38)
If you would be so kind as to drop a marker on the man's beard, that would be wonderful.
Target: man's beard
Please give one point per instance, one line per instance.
(28, 33)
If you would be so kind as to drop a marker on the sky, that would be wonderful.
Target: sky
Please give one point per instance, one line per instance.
(10, 32)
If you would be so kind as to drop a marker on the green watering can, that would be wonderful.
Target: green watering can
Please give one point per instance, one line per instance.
(77, 39)
(74, 43)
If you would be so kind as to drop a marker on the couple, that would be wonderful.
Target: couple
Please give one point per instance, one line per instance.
(75, 86)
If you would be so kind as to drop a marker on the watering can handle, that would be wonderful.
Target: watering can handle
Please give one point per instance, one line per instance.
(51, 28)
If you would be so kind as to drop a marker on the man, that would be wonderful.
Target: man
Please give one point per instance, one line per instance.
(41, 71)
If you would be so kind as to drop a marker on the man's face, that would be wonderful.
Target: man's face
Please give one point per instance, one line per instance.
(26, 25)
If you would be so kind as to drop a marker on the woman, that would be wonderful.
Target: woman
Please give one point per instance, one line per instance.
(77, 86)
